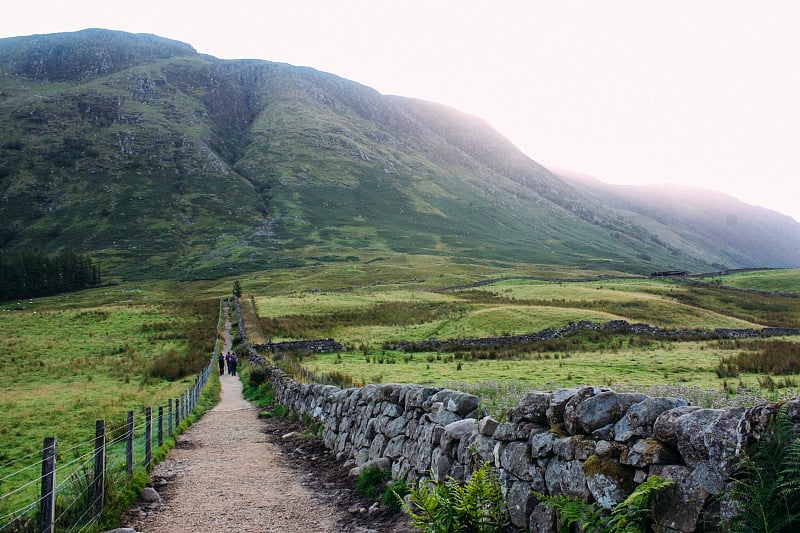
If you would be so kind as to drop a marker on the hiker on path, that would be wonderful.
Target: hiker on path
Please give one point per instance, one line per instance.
(232, 364)
(221, 362)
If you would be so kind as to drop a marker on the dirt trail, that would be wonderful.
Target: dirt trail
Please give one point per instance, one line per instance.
(226, 475)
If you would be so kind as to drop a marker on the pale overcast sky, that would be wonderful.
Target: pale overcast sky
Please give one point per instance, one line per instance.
(703, 93)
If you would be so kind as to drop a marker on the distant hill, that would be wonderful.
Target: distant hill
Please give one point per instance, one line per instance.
(710, 225)
(160, 162)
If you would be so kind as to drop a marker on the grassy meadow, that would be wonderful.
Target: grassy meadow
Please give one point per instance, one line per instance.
(370, 308)
(72, 359)
(787, 281)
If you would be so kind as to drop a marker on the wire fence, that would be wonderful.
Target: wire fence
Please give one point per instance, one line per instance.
(69, 494)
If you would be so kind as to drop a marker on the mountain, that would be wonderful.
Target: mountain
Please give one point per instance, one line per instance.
(710, 225)
(160, 162)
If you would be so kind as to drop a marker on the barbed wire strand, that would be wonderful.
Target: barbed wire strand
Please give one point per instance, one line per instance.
(18, 459)
(77, 471)
(20, 488)
(22, 511)
(75, 501)
(9, 476)
(88, 524)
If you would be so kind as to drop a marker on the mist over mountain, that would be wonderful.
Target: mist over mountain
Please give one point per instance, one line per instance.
(711, 225)
(161, 162)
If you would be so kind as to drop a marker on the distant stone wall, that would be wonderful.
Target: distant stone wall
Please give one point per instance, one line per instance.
(308, 346)
(589, 442)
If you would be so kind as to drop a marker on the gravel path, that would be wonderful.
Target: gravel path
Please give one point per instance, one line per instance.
(225, 475)
(234, 472)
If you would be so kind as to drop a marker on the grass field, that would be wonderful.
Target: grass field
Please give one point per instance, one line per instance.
(763, 280)
(371, 317)
(73, 359)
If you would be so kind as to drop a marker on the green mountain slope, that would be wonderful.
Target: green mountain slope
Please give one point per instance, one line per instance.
(161, 162)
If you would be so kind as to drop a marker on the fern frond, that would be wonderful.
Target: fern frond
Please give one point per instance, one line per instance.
(629, 516)
(573, 511)
(767, 489)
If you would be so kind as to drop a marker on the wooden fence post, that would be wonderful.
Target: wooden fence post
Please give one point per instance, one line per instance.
(160, 437)
(99, 466)
(48, 501)
(177, 413)
(148, 437)
(129, 447)
(169, 417)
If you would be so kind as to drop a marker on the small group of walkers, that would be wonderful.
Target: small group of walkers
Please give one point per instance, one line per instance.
(229, 360)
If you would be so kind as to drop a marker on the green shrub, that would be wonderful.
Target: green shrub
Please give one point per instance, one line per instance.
(392, 498)
(449, 507)
(628, 516)
(372, 482)
(257, 376)
(767, 492)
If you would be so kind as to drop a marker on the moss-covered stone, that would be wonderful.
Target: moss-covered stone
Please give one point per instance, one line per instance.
(609, 481)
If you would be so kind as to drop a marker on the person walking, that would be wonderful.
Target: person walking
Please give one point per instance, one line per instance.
(232, 366)
(221, 362)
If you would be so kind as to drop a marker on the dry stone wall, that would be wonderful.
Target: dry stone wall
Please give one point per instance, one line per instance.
(590, 442)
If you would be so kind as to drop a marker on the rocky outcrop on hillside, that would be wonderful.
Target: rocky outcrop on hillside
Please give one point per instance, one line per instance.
(64, 57)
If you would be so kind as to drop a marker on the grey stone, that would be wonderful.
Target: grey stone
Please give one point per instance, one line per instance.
(584, 448)
(391, 410)
(515, 458)
(456, 430)
(394, 448)
(446, 417)
(693, 432)
(487, 426)
(382, 463)
(571, 422)
(390, 392)
(558, 402)
(416, 395)
(564, 447)
(532, 408)
(646, 452)
(150, 495)
(722, 441)
(542, 444)
(519, 431)
(440, 464)
(377, 447)
(543, 520)
(520, 503)
(462, 403)
(608, 481)
(604, 408)
(639, 419)
(395, 427)
(566, 477)
(679, 506)
(665, 428)
(483, 446)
